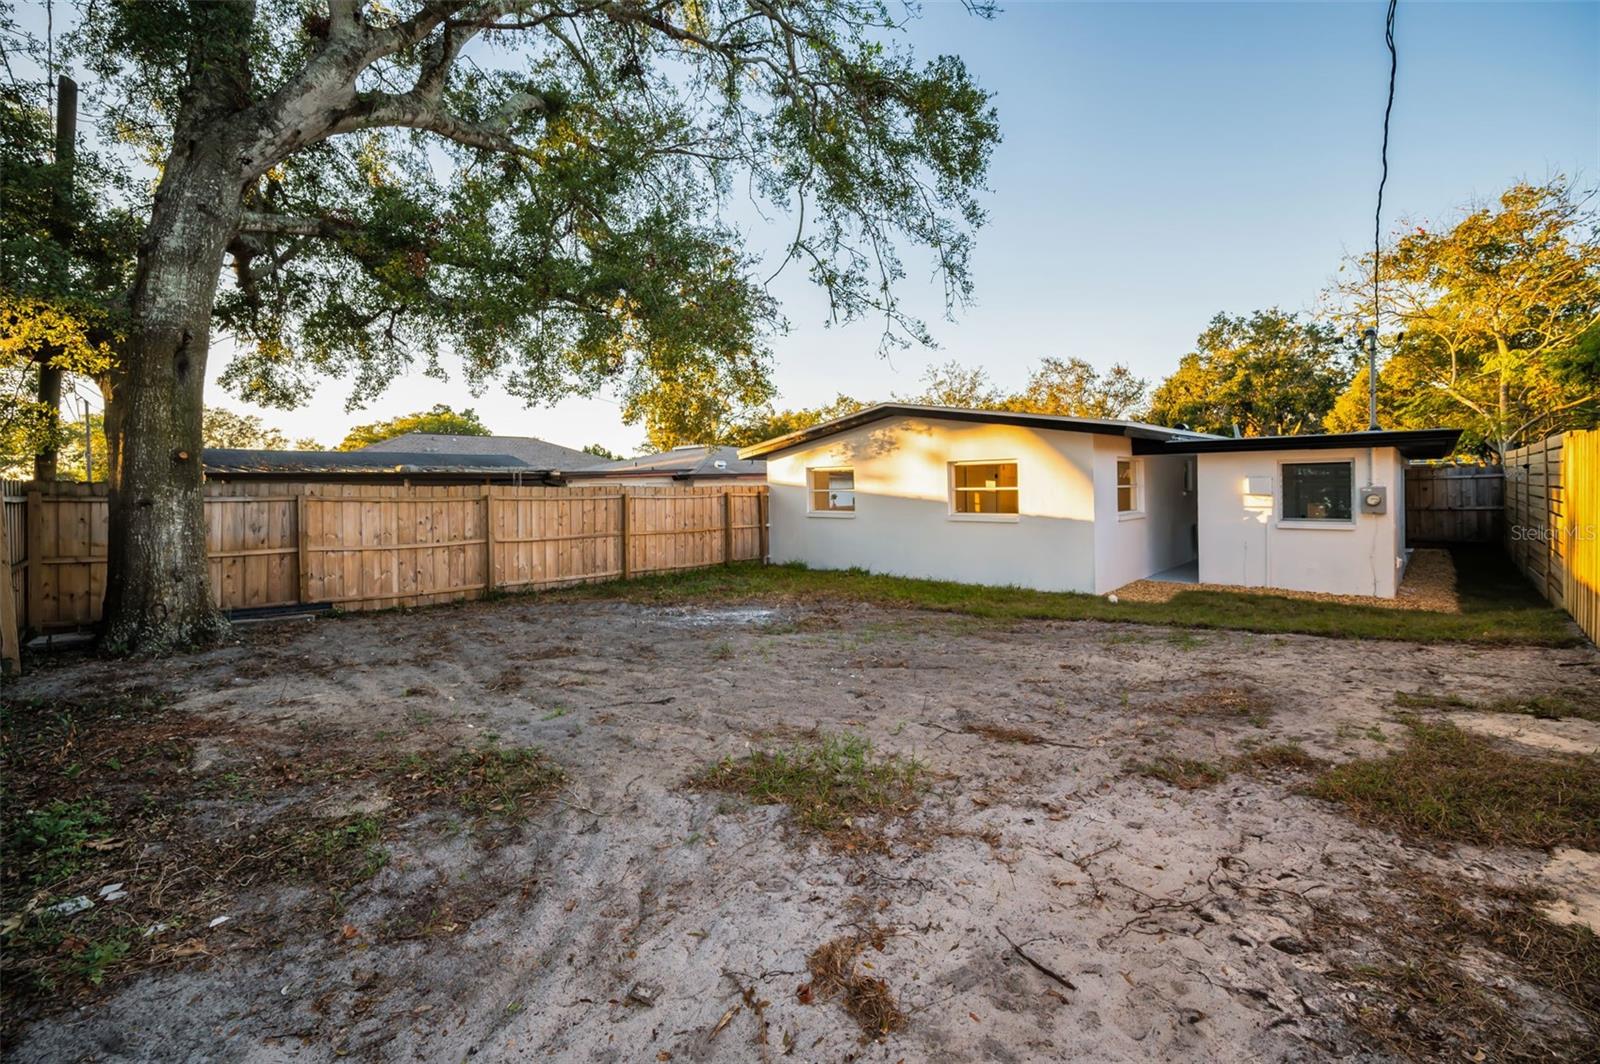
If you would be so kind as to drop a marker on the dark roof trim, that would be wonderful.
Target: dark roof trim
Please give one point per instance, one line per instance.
(674, 474)
(1411, 443)
(1059, 422)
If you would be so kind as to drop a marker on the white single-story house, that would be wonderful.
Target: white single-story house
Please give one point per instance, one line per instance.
(1083, 504)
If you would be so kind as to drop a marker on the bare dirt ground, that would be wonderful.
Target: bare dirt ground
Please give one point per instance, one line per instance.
(1046, 900)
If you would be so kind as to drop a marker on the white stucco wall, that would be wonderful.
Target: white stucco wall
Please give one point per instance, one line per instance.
(1131, 547)
(903, 525)
(1244, 541)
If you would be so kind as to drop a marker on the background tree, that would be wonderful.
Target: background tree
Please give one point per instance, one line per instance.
(440, 420)
(600, 450)
(224, 428)
(1498, 314)
(66, 253)
(952, 384)
(773, 423)
(385, 187)
(1074, 387)
(1270, 374)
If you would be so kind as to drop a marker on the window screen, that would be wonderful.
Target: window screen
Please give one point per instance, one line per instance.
(833, 490)
(986, 488)
(1317, 491)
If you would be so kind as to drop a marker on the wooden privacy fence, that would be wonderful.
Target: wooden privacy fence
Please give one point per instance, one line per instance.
(1552, 521)
(1454, 504)
(374, 546)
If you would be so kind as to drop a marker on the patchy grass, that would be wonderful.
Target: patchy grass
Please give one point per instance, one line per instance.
(866, 998)
(1551, 705)
(828, 783)
(1451, 784)
(1277, 757)
(1415, 963)
(1182, 772)
(1500, 612)
(104, 795)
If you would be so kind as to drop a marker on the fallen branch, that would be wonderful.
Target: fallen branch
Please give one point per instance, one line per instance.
(1038, 965)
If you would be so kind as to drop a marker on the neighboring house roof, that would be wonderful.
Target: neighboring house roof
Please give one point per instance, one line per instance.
(1411, 443)
(1147, 439)
(529, 450)
(882, 411)
(238, 460)
(682, 463)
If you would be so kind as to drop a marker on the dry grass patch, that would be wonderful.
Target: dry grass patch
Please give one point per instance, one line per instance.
(1290, 757)
(1225, 700)
(127, 834)
(1435, 974)
(867, 998)
(1452, 784)
(1003, 733)
(830, 783)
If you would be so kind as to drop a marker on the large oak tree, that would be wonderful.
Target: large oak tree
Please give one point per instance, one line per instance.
(537, 189)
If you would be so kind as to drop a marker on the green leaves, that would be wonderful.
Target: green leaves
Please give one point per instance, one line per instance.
(536, 198)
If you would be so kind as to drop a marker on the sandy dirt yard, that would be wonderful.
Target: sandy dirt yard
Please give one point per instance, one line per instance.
(1047, 898)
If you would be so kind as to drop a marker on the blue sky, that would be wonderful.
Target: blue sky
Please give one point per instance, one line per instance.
(1161, 163)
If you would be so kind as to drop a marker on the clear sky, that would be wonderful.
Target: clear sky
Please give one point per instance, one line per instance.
(1161, 163)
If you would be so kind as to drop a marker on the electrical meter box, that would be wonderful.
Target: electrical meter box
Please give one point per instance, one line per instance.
(1258, 485)
(1374, 499)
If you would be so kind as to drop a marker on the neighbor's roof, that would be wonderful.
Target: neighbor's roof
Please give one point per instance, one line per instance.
(1100, 426)
(237, 460)
(1411, 443)
(683, 463)
(529, 450)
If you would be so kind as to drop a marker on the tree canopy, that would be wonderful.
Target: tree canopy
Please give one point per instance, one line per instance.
(1074, 387)
(1268, 374)
(534, 193)
(1496, 320)
(441, 419)
(224, 428)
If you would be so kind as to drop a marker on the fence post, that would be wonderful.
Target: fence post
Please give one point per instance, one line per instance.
(10, 651)
(35, 521)
(727, 526)
(761, 520)
(488, 539)
(627, 507)
(302, 552)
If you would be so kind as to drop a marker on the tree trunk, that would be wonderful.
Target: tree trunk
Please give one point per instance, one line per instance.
(158, 593)
(44, 463)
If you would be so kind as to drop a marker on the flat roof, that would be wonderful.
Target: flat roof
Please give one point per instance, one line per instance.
(1061, 422)
(1411, 443)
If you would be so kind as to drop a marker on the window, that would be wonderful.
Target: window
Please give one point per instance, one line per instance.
(985, 488)
(1128, 486)
(1317, 491)
(833, 491)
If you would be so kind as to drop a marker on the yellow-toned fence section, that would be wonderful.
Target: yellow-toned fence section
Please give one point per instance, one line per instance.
(1552, 521)
(375, 546)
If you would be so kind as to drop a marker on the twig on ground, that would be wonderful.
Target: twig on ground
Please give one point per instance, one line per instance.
(1039, 965)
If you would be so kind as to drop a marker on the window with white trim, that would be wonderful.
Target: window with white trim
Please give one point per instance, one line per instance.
(1129, 475)
(984, 488)
(1318, 491)
(833, 491)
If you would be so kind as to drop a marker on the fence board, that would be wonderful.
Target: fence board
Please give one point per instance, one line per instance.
(376, 546)
(1552, 521)
(1454, 504)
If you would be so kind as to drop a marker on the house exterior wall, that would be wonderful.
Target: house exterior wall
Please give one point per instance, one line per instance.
(1244, 540)
(1158, 535)
(903, 523)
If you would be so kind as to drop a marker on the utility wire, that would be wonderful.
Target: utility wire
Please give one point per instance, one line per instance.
(1377, 217)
